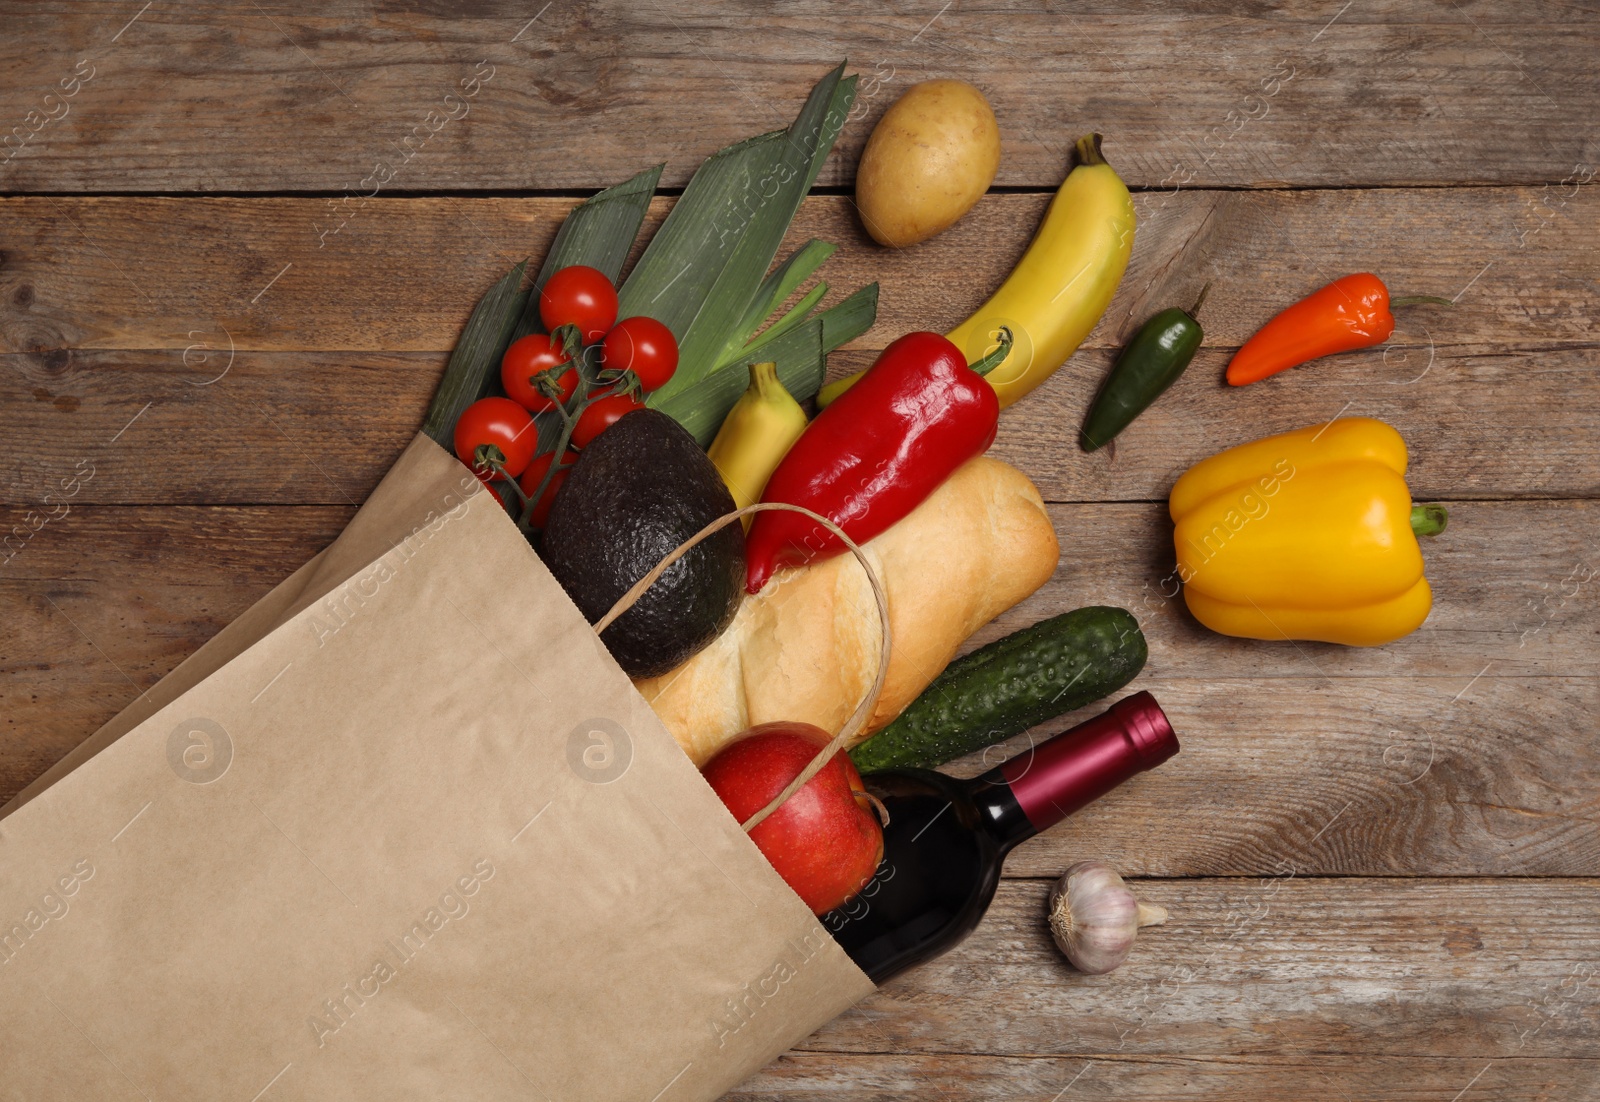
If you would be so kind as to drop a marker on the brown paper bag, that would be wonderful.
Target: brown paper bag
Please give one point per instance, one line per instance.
(402, 831)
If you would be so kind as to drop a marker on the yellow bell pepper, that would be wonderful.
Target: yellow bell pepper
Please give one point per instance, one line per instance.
(1310, 534)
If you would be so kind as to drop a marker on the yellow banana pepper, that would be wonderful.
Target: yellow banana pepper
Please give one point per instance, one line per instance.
(755, 436)
(1310, 534)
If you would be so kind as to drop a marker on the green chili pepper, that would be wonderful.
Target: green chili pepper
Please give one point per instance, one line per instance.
(1150, 363)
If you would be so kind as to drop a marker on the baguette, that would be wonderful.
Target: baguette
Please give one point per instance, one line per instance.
(806, 648)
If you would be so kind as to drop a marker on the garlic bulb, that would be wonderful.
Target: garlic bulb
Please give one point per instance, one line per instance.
(1094, 917)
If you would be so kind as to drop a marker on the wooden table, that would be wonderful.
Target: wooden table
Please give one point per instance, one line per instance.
(1383, 865)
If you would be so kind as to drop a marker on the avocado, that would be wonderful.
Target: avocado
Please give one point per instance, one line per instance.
(641, 488)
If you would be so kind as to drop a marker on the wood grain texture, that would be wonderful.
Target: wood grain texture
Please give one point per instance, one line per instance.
(403, 274)
(1385, 776)
(323, 427)
(1479, 421)
(289, 428)
(1117, 1077)
(1280, 966)
(1383, 865)
(1466, 748)
(1515, 584)
(1493, 394)
(237, 96)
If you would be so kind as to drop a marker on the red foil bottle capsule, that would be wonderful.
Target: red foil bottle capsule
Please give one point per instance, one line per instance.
(1083, 764)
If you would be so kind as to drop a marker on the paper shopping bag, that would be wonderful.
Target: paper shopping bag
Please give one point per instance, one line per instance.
(402, 831)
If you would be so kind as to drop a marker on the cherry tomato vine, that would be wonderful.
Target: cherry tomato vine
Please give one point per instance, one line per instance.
(589, 368)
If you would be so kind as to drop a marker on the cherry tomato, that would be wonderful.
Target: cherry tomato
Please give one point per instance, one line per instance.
(499, 429)
(645, 347)
(582, 296)
(601, 415)
(535, 474)
(528, 357)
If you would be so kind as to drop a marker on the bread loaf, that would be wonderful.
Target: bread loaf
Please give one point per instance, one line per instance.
(806, 648)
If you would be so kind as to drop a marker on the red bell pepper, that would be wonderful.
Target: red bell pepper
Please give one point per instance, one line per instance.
(877, 451)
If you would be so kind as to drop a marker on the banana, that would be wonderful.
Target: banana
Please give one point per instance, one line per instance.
(755, 436)
(1057, 292)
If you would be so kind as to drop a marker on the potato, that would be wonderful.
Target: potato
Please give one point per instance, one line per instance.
(928, 160)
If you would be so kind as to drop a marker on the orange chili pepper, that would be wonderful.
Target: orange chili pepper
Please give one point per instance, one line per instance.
(1348, 313)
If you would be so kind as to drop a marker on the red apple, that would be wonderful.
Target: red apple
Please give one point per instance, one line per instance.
(824, 840)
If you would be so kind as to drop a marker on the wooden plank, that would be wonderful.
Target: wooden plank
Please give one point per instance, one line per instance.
(1287, 970)
(240, 97)
(403, 274)
(72, 655)
(105, 346)
(1441, 970)
(289, 428)
(1479, 421)
(1514, 584)
(1354, 776)
(323, 427)
(1115, 1077)
(1465, 748)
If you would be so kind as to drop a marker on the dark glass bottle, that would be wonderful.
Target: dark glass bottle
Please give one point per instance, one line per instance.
(947, 838)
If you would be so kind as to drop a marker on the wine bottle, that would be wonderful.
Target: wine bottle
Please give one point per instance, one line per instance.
(946, 838)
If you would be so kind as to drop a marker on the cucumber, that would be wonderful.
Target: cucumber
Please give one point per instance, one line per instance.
(1015, 683)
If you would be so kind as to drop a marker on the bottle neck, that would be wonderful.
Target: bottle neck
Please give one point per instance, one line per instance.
(1037, 789)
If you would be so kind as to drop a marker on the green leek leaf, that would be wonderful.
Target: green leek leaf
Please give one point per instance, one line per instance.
(801, 355)
(794, 317)
(776, 289)
(840, 323)
(710, 258)
(475, 363)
